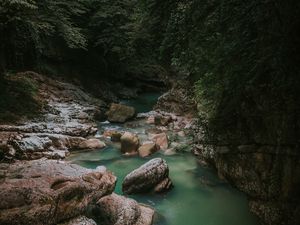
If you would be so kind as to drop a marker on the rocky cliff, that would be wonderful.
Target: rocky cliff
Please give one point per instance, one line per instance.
(257, 150)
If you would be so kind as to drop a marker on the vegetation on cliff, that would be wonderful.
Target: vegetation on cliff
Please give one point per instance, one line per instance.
(18, 98)
(242, 57)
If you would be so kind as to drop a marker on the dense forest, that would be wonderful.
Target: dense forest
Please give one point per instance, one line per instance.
(233, 51)
(240, 59)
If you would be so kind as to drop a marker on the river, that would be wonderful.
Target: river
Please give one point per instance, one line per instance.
(199, 197)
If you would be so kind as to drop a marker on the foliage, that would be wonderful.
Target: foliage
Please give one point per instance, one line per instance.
(241, 55)
(99, 31)
(28, 25)
(18, 98)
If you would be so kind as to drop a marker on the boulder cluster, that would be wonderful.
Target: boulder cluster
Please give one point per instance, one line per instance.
(38, 188)
(156, 137)
(46, 192)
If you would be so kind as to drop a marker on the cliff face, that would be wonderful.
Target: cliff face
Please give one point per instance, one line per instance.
(269, 175)
(179, 98)
(256, 148)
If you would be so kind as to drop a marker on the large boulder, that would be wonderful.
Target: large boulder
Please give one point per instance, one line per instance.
(153, 176)
(92, 144)
(120, 113)
(49, 191)
(148, 149)
(129, 143)
(118, 210)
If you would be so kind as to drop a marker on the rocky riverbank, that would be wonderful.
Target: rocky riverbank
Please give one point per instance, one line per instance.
(66, 123)
(49, 192)
(268, 174)
(35, 189)
(262, 162)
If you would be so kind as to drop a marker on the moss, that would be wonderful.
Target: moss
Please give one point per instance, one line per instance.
(18, 98)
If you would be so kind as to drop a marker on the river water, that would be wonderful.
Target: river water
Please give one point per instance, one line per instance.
(199, 197)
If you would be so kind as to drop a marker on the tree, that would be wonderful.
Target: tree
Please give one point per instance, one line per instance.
(27, 25)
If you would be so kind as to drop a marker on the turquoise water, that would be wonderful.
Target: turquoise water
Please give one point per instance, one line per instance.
(199, 197)
(144, 102)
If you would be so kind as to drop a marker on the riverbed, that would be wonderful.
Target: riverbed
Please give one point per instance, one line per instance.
(199, 197)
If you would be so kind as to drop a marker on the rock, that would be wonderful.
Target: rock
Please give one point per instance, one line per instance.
(147, 114)
(92, 144)
(114, 135)
(129, 143)
(164, 185)
(66, 142)
(153, 131)
(32, 144)
(81, 220)
(162, 120)
(150, 120)
(120, 113)
(66, 120)
(55, 154)
(107, 133)
(118, 210)
(170, 151)
(52, 146)
(184, 147)
(82, 116)
(153, 176)
(179, 99)
(35, 146)
(148, 149)
(161, 140)
(48, 191)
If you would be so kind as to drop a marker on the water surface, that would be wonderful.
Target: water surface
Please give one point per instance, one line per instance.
(144, 102)
(199, 197)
